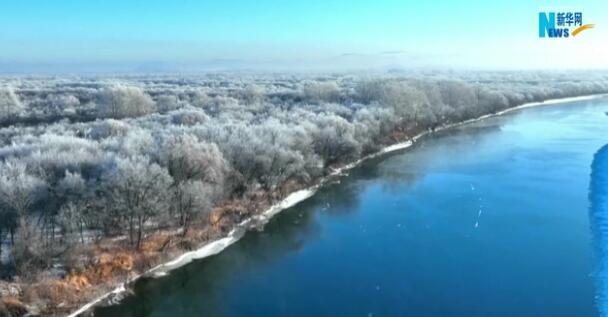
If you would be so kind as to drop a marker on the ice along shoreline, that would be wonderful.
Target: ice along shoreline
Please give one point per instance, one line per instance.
(217, 246)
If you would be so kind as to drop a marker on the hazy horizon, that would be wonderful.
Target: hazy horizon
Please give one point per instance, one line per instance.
(156, 37)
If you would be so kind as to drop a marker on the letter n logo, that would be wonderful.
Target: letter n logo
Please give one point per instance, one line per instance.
(545, 23)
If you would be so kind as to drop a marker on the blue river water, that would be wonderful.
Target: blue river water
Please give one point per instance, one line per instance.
(496, 218)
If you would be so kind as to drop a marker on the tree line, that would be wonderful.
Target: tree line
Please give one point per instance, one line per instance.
(87, 158)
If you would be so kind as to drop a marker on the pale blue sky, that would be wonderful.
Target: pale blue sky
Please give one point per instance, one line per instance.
(285, 34)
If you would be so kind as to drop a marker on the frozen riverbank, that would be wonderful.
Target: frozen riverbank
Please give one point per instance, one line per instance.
(217, 246)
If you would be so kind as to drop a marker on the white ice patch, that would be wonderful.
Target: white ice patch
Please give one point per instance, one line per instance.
(118, 290)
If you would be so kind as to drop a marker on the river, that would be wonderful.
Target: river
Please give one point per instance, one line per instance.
(487, 219)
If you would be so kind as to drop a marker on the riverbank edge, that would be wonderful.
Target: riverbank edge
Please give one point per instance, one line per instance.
(214, 247)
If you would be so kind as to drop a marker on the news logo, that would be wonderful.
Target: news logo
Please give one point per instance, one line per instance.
(561, 24)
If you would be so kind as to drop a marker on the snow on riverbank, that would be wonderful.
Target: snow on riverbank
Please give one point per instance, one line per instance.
(234, 235)
(292, 199)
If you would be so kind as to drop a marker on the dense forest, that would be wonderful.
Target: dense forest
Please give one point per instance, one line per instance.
(91, 159)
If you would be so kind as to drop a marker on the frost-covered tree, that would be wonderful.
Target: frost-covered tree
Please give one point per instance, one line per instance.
(334, 139)
(167, 102)
(491, 100)
(10, 105)
(74, 202)
(188, 158)
(322, 91)
(120, 101)
(252, 94)
(19, 193)
(108, 128)
(138, 190)
(65, 104)
(192, 201)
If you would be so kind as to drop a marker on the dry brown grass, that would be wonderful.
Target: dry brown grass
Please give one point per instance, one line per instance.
(11, 307)
(224, 216)
(109, 261)
(156, 243)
